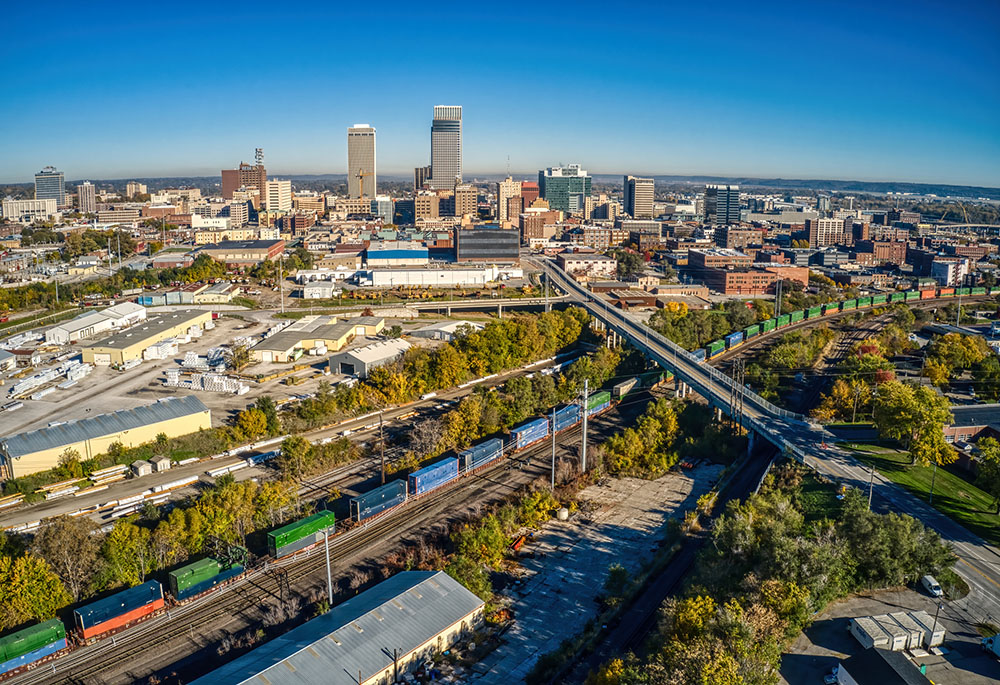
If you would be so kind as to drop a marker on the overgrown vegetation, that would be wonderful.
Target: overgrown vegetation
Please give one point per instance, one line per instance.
(693, 328)
(796, 351)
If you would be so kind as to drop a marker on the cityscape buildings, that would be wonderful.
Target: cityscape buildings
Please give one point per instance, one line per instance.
(508, 199)
(638, 197)
(361, 178)
(279, 196)
(50, 185)
(565, 188)
(446, 147)
(86, 197)
(722, 205)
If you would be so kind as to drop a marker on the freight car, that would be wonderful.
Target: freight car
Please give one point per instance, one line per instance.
(28, 646)
(565, 417)
(299, 535)
(598, 402)
(529, 433)
(120, 610)
(432, 477)
(481, 454)
(378, 501)
(199, 576)
(734, 340)
(622, 389)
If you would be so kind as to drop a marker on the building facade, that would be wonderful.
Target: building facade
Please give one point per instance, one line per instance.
(86, 196)
(508, 200)
(638, 197)
(446, 147)
(279, 196)
(361, 178)
(487, 243)
(50, 184)
(27, 211)
(722, 204)
(565, 188)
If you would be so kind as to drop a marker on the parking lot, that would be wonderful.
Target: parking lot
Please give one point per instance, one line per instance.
(827, 641)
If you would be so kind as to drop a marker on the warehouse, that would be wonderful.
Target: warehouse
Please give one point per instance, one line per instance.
(39, 450)
(89, 324)
(396, 253)
(361, 360)
(324, 332)
(244, 252)
(129, 344)
(353, 644)
(436, 277)
(446, 330)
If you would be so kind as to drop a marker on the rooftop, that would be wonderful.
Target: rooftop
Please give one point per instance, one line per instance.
(379, 350)
(881, 667)
(154, 326)
(87, 429)
(243, 245)
(352, 637)
(976, 414)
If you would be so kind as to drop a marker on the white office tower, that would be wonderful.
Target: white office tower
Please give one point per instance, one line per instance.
(446, 147)
(361, 179)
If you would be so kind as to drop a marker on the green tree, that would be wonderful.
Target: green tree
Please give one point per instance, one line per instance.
(988, 472)
(127, 553)
(29, 591)
(295, 452)
(252, 423)
(71, 547)
(266, 405)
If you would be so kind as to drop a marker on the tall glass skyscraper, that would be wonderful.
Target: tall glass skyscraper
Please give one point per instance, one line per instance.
(361, 161)
(50, 185)
(722, 205)
(565, 188)
(446, 147)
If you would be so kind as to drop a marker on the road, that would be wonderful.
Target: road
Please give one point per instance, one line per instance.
(808, 442)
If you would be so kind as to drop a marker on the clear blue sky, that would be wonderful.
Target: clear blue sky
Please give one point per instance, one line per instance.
(862, 90)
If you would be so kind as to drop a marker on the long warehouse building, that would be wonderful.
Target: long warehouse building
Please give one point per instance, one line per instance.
(39, 450)
(129, 344)
(410, 616)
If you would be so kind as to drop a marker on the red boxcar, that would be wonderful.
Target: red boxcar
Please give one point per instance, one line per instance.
(928, 294)
(119, 610)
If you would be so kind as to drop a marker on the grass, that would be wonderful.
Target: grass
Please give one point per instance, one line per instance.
(954, 493)
(819, 498)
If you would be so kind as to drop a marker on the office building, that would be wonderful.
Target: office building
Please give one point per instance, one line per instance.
(446, 147)
(421, 175)
(466, 201)
(246, 176)
(27, 211)
(639, 197)
(50, 185)
(133, 188)
(361, 180)
(508, 200)
(426, 205)
(279, 196)
(826, 232)
(382, 208)
(529, 193)
(487, 243)
(86, 196)
(722, 205)
(566, 189)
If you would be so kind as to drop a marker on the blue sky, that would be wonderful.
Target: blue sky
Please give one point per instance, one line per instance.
(871, 91)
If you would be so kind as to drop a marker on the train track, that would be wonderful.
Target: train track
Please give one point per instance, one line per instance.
(90, 664)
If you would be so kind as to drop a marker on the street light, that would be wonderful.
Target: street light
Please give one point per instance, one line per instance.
(329, 582)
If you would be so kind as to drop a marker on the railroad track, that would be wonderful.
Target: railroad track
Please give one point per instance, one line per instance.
(89, 664)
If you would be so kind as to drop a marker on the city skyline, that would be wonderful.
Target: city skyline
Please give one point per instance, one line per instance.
(732, 93)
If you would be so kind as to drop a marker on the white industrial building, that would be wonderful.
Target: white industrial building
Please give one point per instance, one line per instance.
(437, 278)
(446, 330)
(320, 290)
(361, 360)
(27, 211)
(339, 274)
(89, 324)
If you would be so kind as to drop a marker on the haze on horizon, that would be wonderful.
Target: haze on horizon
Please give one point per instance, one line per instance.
(868, 92)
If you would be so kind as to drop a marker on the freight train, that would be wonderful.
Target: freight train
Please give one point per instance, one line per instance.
(734, 340)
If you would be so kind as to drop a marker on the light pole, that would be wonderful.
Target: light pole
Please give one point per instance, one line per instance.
(933, 478)
(936, 611)
(329, 581)
(871, 484)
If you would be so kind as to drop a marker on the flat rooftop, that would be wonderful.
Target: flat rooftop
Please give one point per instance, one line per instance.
(152, 327)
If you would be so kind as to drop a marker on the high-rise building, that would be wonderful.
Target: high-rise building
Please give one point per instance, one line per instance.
(826, 232)
(421, 174)
(86, 196)
(279, 196)
(639, 197)
(50, 185)
(565, 188)
(446, 147)
(508, 199)
(246, 176)
(382, 207)
(722, 204)
(529, 193)
(361, 181)
(466, 200)
(133, 188)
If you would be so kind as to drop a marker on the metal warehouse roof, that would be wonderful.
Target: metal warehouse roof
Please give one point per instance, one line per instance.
(308, 328)
(158, 324)
(105, 424)
(975, 414)
(402, 612)
(379, 351)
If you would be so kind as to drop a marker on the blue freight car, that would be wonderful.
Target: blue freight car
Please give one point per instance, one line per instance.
(734, 340)
(481, 454)
(528, 433)
(433, 476)
(566, 417)
(699, 354)
(119, 609)
(208, 584)
(378, 500)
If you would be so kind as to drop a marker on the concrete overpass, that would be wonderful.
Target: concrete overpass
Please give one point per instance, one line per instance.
(809, 443)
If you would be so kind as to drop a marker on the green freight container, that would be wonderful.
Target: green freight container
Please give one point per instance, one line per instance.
(598, 398)
(912, 295)
(879, 299)
(963, 291)
(797, 315)
(814, 312)
(864, 302)
(831, 308)
(297, 353)
(995, 290)
(294, 532)
(848, 304)
(191, 574)
(751, 331)
(898, 297)
(31, 638)
(717, 347)
(768, 326)
(784, 320)
(979, 291)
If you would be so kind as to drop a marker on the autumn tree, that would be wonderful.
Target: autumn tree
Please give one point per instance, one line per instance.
(988, 473)
(29, 590)
(127, 553)
(915, 417)
(71, 548)
(252, 423)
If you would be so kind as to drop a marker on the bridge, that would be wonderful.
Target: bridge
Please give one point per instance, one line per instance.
(804, 440)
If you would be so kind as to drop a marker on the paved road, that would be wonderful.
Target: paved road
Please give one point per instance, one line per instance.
(979, 562)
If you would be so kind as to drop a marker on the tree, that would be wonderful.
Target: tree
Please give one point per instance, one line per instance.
(988, 473)
(266, 405)
(70, 546)
(916, 418)
(127, 553)
(630, 264)
(69, 463)
(161, 443)
(237, 357)
(295, 451)
(252, 423)
(937, 372)
(29, 591)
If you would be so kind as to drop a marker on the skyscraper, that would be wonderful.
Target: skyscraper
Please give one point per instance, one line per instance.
(722, 205)
(508, 199)
(50, 185)
(638, 199)
(446, 147)
(279, 196)
(565, 188)
(420, 176)
(246, 176)
(361, 180)
(87, 197)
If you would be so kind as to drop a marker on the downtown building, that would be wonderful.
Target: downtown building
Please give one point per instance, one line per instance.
(722, 205)
(446, 147)
(246, 176)
(361, 177)
(566, 189)
(50, 184)
(638, 197)
(86, 196)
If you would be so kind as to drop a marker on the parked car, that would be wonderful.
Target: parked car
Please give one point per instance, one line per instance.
(932, 587)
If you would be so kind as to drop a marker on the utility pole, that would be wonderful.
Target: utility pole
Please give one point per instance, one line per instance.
(281, 290)
(553, 449)
(381, 442)
(329, 581)
(777, 301)
(871, 484)
(586, 395)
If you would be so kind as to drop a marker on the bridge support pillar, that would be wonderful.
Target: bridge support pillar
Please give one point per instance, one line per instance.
(447, 311)
(499, 310)
(751, 441)
(718, 414)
